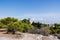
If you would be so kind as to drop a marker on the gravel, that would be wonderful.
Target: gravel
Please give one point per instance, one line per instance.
(27, 36)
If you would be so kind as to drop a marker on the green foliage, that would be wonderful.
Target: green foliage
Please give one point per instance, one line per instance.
(13, 25)
(2, 25)
(26, 21)
(45, 25)
(57, 26)
(8, 20)
(56, 29)
(24, 27)
(37, 24)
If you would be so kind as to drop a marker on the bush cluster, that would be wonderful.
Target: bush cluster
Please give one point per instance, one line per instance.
(13, 25)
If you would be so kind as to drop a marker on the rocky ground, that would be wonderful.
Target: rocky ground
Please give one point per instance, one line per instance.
(38, 37)
(25, 36)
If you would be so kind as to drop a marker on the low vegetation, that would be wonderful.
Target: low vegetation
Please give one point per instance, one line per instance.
(13, 24)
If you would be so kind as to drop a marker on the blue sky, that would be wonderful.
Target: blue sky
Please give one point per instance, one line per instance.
(46, 11)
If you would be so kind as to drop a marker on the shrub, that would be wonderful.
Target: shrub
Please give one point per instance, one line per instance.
(2, 25)
(45, 31)
(19, 26)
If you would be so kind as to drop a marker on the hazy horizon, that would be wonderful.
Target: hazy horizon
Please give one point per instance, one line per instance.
(45, 11)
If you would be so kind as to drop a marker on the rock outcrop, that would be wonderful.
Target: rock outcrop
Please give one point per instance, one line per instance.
(27, 36)
(38, 37)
